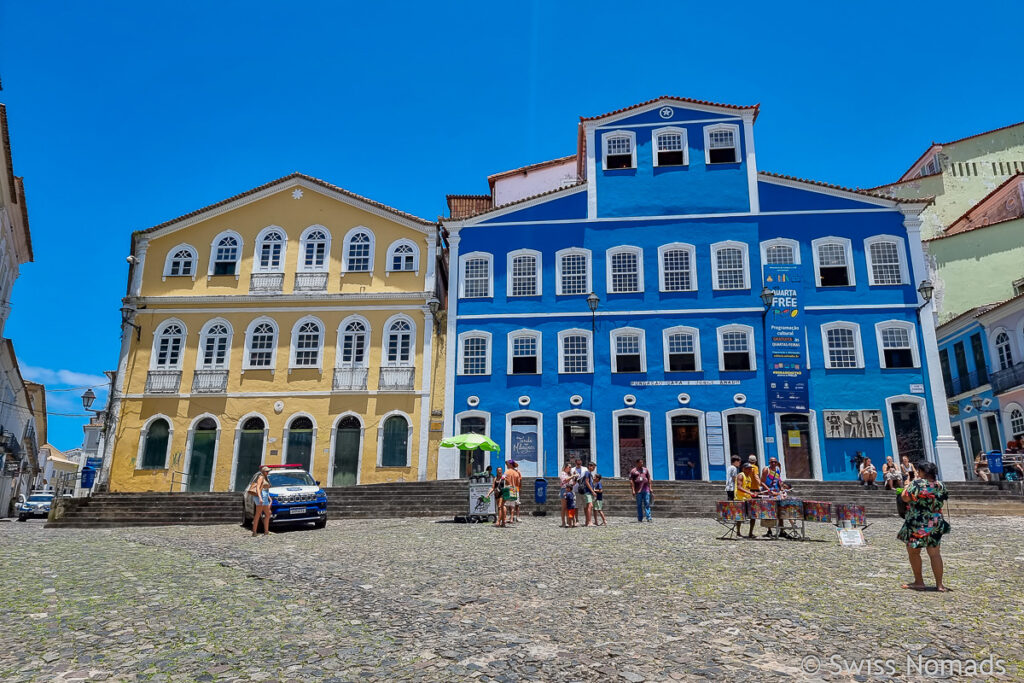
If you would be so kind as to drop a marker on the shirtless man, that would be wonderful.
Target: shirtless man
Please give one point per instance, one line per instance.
(515, 480)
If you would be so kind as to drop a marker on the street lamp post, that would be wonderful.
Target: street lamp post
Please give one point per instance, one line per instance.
(88, 398)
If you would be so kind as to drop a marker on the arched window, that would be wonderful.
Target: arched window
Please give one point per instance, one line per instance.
(524, 273)
(270, 251)
(155, 444)
(307, 337)
(474, 353)
(476, 275)
(181, 262)
(682, 349)
(619, 150)
(721, 144)
(670, 148)
(394, 449)
(214, 344)
(574, 352)
(1017, 423)
(226, 250)
(358, 251)
(729, 265)
(398, 343)
(170, 339)
(261, 345)
(629, 353)
(572, 274)
(300, 442)
(897, 344)
(1003, 350)
(403, 255)
(886, 260)
(314, 245)
(677, 267)
(353, 341)
(780, 252)
(625, 269)
(524, 352)
(833, 262)
(736, 348)
(841, 342)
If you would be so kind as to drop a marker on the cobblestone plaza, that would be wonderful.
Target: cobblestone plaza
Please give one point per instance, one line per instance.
(421, 600)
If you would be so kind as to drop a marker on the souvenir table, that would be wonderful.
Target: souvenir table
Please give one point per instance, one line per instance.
(786, 514)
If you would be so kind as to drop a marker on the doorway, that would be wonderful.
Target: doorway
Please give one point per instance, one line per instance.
(200, 460)
(795, 436)
(742, 436)
(992, 427)
(632, 442)
(300, 442)
(525, 441)
(958, 434)
(974, 438)
(576, 439)
(687, 458)
(250, 451)
(906, 420)
(347, 444)
(475, 460)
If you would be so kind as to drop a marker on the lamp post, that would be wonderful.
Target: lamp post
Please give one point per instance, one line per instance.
(925, 289)
(126, 319)
(593, 301)
(88, 398)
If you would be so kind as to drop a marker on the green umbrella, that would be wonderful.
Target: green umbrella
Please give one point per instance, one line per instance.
(470, 442)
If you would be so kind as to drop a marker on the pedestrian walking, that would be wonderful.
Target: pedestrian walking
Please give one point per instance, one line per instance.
(640, 483)
(586, 492)
(599, 501)
(923, 525)
(259, 491)
(498, 493)
(730, 477)
(563, 483)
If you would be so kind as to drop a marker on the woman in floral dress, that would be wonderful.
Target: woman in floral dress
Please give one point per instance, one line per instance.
(923, 525)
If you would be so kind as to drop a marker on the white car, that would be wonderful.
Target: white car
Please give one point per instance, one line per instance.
(37, 505)
(295, 497)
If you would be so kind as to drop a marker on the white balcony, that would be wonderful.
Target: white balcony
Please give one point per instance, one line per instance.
(163, 381)
(266, 283)
(396, 379)
(350, 379)
(210, 382)
(310, 282)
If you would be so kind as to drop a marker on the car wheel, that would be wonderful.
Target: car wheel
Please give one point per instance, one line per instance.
(22, 518)
(320, 524)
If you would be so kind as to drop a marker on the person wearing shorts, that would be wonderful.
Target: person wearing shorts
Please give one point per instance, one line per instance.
(259, 491)
(599, 501)
(513, 479)
(570, 506)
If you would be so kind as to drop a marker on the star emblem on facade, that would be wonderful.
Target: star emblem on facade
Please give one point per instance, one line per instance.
(296, 193)
(666, 112)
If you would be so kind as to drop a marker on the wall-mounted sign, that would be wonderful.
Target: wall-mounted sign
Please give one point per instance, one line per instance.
(917, 388)
(787, 362)
(853, 424)
(686, 383)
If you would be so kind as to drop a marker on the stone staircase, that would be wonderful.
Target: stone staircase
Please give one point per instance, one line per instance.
(448, 499)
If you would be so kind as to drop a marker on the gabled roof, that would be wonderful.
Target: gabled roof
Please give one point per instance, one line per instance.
(966, 315)
(939, 145)
(672, 98)
(530, 167)
(286, 180)
(952, 228)
(863, 193)
(524, 200)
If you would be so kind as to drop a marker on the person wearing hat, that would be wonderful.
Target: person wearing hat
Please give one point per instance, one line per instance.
(771, 481)
(745, 491)
(757, 476)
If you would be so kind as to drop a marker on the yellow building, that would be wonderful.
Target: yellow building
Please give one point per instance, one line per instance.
(291, 323)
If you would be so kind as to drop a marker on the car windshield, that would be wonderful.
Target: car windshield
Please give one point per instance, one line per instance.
(40, 499)
(291, 479)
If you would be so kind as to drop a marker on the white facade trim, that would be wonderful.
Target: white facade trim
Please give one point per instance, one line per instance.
(472, 256)
(677, 246)
(158, 334)
(744, 250)
(858, 345)
(759, 435)
(261, 237)
(562, 334)
(238, 436)
(851, 270)
(922, 413)
(609, 135)
(184, 246)
(751, 346)
(384, 362)
(248, 344)
(708, 130)
(689, 412)
(540, 435)
(748, 142)
(213, 251)
(538, 271)
(901, 252)
(561, 432)
(812, 423)
(144, 434)
(389, 258)
(627, 331)
(187, 465)
(204, 334)
(334, 446)
(523, 332)
(655, 142)
(778, 242)
(569, 251)
(293, 349)
(681, 329)
(301, 265)
(367, 341)
(474, 334)
(911, 329)
(624, 249)
(487, 431)
(347, 243)
(616, 414)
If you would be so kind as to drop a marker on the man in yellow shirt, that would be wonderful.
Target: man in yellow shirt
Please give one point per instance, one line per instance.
(745, 490)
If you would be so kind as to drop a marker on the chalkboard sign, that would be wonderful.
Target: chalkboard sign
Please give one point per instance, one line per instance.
(850, 537)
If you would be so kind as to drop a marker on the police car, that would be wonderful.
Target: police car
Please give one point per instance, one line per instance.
(295, 498)
(37, 505)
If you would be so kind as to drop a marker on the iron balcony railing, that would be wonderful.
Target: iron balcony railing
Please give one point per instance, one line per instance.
(310, 282)
(1004, 380)
(396, 379)
(964, 383)
(163, 381)
(350, 379)
(266, 283)
(210, 381)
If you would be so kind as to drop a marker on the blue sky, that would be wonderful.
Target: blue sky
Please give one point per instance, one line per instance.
(125, 114)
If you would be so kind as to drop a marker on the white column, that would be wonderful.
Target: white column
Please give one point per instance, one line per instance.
(748, 142)
(448, 458)
(947, 450)
(425, 391)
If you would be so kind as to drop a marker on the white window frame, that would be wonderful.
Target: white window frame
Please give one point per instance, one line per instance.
(708, 130)
(158, 335)
(1014, 355)
(745, 254)
(655, 148)
(759, 435)
(384, 362)
(901, 253)
(677, 246)
(408, 440)
(605, 137)
(286, 432)
(577, 251)
(461, 357)
(1007, 419)
(779, 242)
(858, 345)
(630, 331)
(561, 350)
(389, 267)
(213, 251)
(303, 239)
(751, 346)
(338, 362)
(537, 271)
(851, 271)
(203, 334)
(511, 336)
(334, 443)
(911, 335)
(624, 249)
(539, 417)
(681, 329)
(293, 349)
(473, 255)
(170, 257)
(347, 242)
(248, 344)
(144, 434)
(260, 238)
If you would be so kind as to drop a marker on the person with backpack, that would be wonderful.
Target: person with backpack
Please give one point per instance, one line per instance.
(586, 491)
(640, 483)
(599, 501)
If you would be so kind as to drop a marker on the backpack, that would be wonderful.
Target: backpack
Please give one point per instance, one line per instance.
(581, 486)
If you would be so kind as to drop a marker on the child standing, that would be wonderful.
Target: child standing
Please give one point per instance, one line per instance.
(570, 506)
(599, 501)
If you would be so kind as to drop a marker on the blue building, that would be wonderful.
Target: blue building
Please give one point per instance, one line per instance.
(611, 306)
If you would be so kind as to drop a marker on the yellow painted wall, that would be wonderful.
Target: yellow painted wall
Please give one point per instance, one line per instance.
(301, 390)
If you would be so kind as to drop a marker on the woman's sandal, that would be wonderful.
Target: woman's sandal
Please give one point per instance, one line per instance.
(914, 586)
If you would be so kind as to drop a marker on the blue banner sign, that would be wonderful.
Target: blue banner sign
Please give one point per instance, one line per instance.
(523, 449)
(787, 358)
